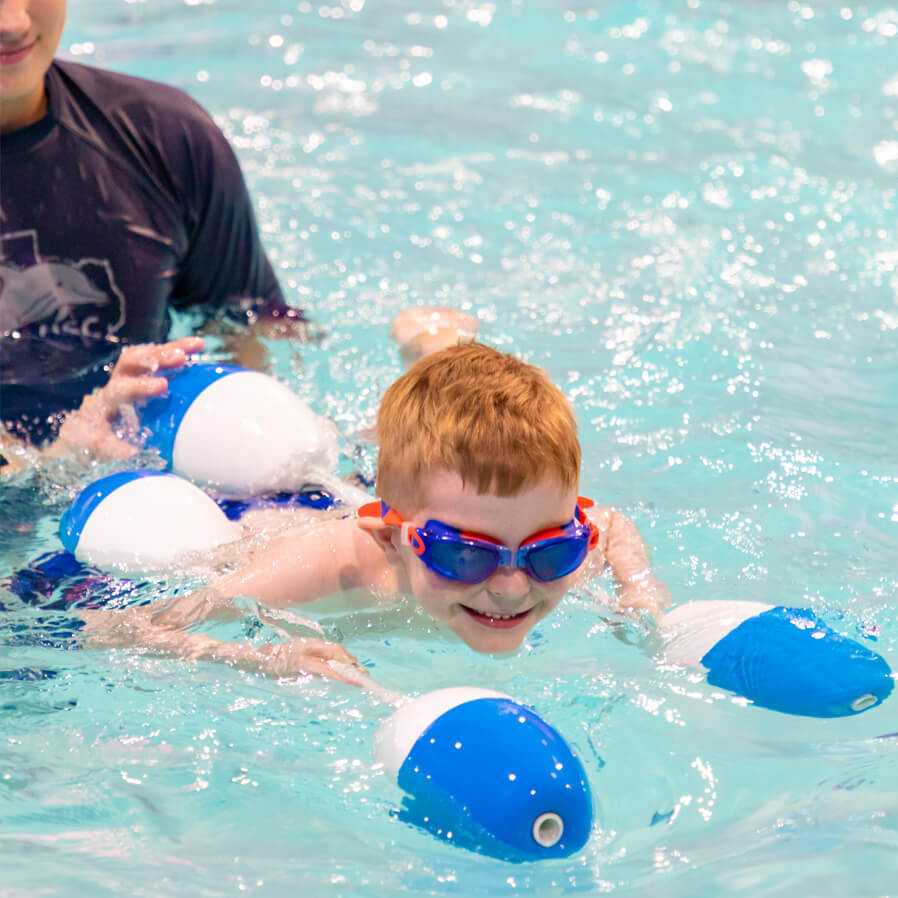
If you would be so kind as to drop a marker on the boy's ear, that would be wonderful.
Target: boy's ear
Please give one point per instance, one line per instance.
(381, 531)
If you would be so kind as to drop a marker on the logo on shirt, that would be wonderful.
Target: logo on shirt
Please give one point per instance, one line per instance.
(55, 298)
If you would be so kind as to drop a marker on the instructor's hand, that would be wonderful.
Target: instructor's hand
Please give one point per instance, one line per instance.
(138, 374)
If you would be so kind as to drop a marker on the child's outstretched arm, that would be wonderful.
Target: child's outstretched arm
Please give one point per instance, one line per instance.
(136, 628)
(628, 557)
(297, 569)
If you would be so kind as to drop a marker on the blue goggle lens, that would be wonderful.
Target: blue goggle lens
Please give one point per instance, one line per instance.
(464, 562)
(556, 559)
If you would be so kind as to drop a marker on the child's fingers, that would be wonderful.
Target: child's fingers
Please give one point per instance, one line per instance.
(338, 664)
(324, 669)
(300, 655)
(353, 674)
(148, 359)
(133, 360)
(327, 651)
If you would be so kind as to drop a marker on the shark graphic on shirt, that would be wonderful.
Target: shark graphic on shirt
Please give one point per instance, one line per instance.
(54, 312)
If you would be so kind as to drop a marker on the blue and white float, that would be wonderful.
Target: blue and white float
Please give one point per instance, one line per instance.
(483, 772)
(136, 521)
(781, 658)
(237, 432)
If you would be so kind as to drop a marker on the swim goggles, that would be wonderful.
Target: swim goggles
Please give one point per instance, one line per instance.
(473, 557)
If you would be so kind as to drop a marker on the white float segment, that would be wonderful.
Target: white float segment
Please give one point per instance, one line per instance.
(151, 522)
(247, 434)
(692, 630)
(397, 735)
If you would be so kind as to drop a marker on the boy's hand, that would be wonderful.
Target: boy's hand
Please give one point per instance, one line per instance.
(305, 655)
(421, 330)
(137, 375)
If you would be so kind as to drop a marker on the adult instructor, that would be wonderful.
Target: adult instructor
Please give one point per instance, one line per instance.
(120, 200)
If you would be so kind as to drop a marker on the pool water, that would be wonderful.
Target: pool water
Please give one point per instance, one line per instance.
(686, 212)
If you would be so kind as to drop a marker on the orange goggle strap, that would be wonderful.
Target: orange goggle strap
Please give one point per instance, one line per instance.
(380, 509)
(371, 509)
(582, 503)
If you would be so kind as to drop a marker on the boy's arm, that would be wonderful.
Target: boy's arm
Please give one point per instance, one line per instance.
(136, 628)
(297, 569)
(628, 557)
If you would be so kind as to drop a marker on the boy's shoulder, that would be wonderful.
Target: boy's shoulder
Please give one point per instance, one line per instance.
(345, 550)
(304, 564)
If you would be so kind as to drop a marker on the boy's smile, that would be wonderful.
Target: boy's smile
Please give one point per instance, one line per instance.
(494, 615)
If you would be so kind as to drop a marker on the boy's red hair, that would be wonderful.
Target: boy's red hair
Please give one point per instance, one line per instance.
(498, 422)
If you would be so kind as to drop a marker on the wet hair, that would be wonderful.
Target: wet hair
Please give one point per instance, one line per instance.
(498, 422)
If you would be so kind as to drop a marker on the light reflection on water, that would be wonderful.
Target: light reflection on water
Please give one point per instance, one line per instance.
(686, 213)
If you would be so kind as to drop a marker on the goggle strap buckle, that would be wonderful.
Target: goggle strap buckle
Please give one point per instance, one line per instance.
(409, 536)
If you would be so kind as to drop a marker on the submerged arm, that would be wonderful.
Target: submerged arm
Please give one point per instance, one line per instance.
(627, 554)
(297, 569)
(141, 628)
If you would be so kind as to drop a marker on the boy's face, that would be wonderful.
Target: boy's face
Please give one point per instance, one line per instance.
(29, 35)
(495, 615)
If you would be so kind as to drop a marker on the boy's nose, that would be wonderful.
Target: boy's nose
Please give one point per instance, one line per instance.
(508, 584)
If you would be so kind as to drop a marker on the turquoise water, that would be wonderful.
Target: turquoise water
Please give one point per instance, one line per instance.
(685, 212)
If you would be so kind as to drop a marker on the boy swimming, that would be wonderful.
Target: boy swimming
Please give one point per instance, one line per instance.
(477, 518)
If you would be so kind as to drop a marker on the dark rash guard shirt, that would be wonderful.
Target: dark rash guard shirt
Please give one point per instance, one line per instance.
(123, 201)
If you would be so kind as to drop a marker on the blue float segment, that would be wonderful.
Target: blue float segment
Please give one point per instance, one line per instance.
(788, 660)
(76, 515)
(163, 415)
(311, 496)
(492, 776)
